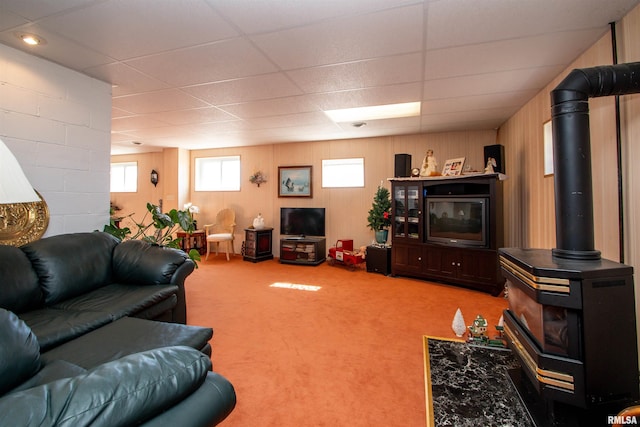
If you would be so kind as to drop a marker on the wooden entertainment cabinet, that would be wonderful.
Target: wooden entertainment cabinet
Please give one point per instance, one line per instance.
(303, 251)
(414, 254)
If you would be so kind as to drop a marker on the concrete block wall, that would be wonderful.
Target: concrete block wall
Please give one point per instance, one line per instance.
(57, 122)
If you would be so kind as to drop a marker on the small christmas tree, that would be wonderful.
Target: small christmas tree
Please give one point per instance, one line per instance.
(380, 212)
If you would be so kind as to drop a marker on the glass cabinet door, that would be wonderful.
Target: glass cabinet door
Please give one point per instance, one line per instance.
(399, 211)
(413, 212)
(407, 212)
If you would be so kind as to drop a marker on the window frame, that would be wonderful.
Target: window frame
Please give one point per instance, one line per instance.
(127, 186)
(219, 183)
(330, 168)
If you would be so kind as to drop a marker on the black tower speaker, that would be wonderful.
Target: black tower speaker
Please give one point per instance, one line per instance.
(497, 152)
(403, 165)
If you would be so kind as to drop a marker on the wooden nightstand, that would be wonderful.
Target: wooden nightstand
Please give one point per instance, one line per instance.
(196, 240)
(258, 244)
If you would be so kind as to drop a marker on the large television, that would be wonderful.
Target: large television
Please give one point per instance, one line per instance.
(302, 222)
(457, 221)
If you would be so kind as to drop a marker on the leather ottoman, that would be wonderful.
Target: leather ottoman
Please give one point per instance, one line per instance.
(126, 336)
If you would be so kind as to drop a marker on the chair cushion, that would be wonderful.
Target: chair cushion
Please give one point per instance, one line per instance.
(19, 351)
(219, 237)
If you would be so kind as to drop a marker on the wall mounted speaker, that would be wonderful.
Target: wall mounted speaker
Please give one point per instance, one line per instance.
(497, 152)
(403, 165)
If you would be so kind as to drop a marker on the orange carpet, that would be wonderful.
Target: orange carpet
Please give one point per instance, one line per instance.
(349, 354)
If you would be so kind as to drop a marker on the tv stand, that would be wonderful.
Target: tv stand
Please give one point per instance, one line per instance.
(465, 265)
(302, 250)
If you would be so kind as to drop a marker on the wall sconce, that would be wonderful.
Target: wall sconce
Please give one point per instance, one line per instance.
(24, 216)
(154, 178)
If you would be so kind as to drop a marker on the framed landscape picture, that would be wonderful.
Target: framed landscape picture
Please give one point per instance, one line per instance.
(294, 181)
(453, 167)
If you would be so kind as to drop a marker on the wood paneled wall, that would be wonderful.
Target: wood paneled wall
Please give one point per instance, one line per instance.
(347, 208)
(529, 197)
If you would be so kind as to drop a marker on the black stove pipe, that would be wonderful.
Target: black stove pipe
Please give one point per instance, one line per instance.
(572, 152)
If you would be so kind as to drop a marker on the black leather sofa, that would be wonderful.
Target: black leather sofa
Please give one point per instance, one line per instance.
(85, 318)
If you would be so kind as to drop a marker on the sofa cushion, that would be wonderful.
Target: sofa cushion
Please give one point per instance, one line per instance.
(127, 336)
(69, 265)
(53, 327)
(120, 300)
(53, 371)
(19, 288)
(136, 261)
(19, 351)
(120, 393)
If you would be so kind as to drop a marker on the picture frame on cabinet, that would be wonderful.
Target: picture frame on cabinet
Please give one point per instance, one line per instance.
(453, 167)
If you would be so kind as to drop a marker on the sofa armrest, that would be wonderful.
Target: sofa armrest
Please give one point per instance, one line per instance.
(138, 262)
(124, 392)
(207, 406)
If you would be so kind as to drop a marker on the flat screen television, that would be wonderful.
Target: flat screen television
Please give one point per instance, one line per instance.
(302, 222)
(458, 221)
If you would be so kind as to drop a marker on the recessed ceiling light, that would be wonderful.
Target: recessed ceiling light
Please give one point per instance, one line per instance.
(136, 142)
(376, 112)
(358, 124)
(31, 39)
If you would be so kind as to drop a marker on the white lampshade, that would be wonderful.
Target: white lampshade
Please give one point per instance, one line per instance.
(14, 185)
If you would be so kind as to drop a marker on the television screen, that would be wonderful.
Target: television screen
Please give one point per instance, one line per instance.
(458, 221)
(302, 221)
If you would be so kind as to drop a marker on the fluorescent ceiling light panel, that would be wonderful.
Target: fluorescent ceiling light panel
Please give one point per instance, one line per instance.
(376, 112)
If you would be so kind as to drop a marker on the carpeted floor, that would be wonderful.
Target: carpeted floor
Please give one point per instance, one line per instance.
(346, 354)
(468, 385)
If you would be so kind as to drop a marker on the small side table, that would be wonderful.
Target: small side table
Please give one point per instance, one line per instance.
(379, 259)
(196, 240)
(258, 244)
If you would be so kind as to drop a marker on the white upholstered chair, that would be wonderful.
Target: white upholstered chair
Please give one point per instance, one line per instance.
(221, 232)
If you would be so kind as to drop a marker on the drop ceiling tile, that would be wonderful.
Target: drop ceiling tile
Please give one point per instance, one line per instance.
(390, 32)
(254, 88)
(289, 120)
(57, 49)
(132, 123)
(477, 102)
(158, 101)
(492, 20)
(9, 20)
(124, 79)
(38, 9)
(503, 81)
(228, 59)
(506, 55)
(258, 17)
(118, 113)
(360, 74)
(214, 128)
(272, 107)
(127, 29)
(194, 115)
(393, 94)
(165, 132)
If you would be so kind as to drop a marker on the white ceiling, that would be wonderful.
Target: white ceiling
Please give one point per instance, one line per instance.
(221, 73)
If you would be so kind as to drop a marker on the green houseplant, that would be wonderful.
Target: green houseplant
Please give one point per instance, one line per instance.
(160, 230)
(380, 214)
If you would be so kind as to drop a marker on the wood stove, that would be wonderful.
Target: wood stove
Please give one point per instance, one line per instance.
(572, 325)
(571, 319)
